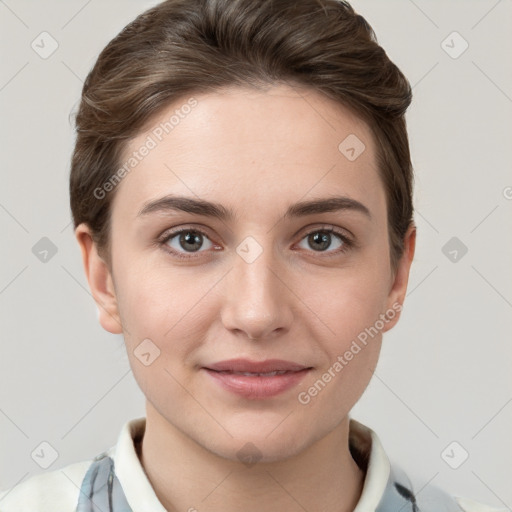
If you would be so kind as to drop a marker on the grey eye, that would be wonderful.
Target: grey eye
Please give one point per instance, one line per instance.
(188, 240)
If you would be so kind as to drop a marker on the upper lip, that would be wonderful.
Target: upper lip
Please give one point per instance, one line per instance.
(246, 365)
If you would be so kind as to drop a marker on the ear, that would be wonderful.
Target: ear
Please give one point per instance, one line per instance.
(398, 288)
(100, 281)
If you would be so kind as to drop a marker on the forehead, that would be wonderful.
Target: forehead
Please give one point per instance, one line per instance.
(242, 144)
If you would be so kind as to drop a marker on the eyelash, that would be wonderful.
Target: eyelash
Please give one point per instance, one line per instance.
(164, 239)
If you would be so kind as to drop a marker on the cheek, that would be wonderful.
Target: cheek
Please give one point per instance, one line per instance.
(159, 318)
(347, 303)
(164, 305)
(144, 302)
(348, 330)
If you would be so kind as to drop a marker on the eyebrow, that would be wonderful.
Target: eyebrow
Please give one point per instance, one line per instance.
(215, 210)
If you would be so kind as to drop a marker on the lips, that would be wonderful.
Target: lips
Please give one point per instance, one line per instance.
(244, 366)
(257, 379)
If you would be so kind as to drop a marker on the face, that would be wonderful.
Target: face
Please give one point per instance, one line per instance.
(278, 273)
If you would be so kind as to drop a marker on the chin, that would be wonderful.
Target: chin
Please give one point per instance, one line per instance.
(251, 446)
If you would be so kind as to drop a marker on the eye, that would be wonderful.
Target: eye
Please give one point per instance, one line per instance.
(185, 241)
(321, 239)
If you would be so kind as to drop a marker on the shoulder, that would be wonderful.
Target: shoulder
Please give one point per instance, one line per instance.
(388, 487)
(468, 505)
(435, 499)
(429, 498)
(56, 490)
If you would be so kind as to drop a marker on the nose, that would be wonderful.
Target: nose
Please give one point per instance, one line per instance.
(257, 299)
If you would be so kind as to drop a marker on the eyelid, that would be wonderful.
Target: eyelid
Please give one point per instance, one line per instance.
(169, 233)
(312, 228)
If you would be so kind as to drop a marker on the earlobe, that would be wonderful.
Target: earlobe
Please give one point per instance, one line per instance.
(398, 288)
(100, 281)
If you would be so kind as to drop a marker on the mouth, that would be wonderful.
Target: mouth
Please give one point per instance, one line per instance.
(256, 379)
(246, 366)
(253, 374)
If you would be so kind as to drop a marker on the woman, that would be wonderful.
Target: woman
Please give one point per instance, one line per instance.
(241, 189)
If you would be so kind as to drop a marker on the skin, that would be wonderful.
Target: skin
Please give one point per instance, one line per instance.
(256, 152)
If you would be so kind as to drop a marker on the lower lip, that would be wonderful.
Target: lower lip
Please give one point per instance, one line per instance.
(257, 387)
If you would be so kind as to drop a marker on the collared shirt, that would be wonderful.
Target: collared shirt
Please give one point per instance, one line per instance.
(115, 481)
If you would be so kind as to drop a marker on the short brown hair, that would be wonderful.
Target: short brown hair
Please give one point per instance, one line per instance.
(181, 47)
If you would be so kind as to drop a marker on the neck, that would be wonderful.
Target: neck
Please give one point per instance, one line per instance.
(186, 476)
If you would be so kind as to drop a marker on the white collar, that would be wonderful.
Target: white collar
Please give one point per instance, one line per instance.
(142, 497)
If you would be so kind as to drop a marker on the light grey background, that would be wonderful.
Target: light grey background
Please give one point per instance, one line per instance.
(444, 373)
